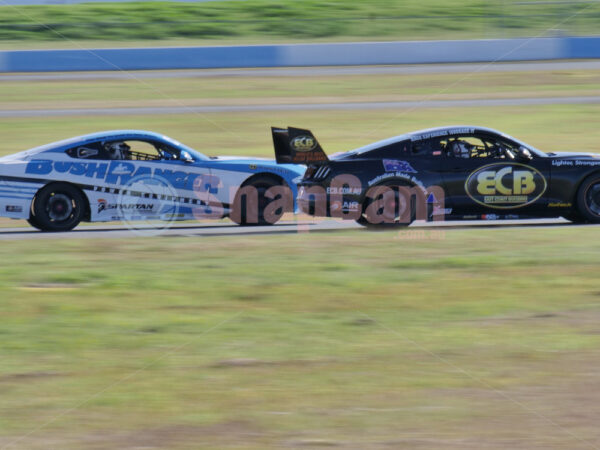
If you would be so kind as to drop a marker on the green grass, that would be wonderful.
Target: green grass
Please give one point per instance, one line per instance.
(306, 20)
(351, 337)
(224, 90)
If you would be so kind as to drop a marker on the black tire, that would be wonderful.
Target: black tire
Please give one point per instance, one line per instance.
(240, 205)
(588, 199)
(398, 206)
(33, 222)
(57, 207)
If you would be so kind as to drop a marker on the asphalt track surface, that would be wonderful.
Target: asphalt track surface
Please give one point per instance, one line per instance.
(349, 106)
(409, 69)
(418, 230)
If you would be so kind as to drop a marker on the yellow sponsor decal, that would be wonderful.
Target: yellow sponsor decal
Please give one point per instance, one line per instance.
(303, 143)
(505, 185)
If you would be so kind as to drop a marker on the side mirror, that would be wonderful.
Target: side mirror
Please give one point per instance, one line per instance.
(525, 154)
(186, 157)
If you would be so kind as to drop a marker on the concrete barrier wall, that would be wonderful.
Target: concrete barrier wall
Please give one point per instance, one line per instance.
(360, 53)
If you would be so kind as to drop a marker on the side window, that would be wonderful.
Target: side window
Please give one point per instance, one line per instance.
(141, 151)
(93, 150)
(168, 153)
(465, 147)
(481, 146)
(133, 150)
(138, 150)
(395, 150)
(426, 147)
(501, 148)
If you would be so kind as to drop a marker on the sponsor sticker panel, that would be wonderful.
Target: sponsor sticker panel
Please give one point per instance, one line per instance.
(505, 185)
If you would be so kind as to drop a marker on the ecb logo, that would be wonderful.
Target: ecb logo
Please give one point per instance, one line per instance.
(303, 143)
(491, 182)
(505, 185)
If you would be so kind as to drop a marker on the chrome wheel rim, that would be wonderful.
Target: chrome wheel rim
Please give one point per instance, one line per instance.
(59, 207)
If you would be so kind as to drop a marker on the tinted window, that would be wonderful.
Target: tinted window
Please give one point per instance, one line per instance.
(395, 150)
(426, 147)
(93, 150)
(477, 146)
(124, 149)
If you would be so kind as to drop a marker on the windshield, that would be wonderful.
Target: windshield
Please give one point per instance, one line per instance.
(193, 153)
(532, 149)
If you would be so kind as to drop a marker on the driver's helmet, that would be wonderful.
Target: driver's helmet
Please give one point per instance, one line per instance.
(461, 149)
(118, 150)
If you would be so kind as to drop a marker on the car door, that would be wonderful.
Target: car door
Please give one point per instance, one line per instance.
(427, 159)
(415, 163)
(484, 175)
(191, 179)
(151, 179)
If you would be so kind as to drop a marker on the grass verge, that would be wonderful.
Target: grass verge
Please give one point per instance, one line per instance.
(349, 338)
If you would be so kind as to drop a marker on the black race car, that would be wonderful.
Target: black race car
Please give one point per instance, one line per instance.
(457, 172)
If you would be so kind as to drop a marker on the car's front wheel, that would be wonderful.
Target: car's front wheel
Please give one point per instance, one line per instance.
(588, 199)
(57, 207)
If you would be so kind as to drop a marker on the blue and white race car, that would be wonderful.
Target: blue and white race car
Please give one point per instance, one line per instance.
(136, 175)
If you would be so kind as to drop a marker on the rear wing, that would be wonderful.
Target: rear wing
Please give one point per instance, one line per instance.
(297, 146)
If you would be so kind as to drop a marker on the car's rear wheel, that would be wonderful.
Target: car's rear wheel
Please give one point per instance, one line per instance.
(394, 208)
(249, 208)
(57, 207)
(588, 199)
